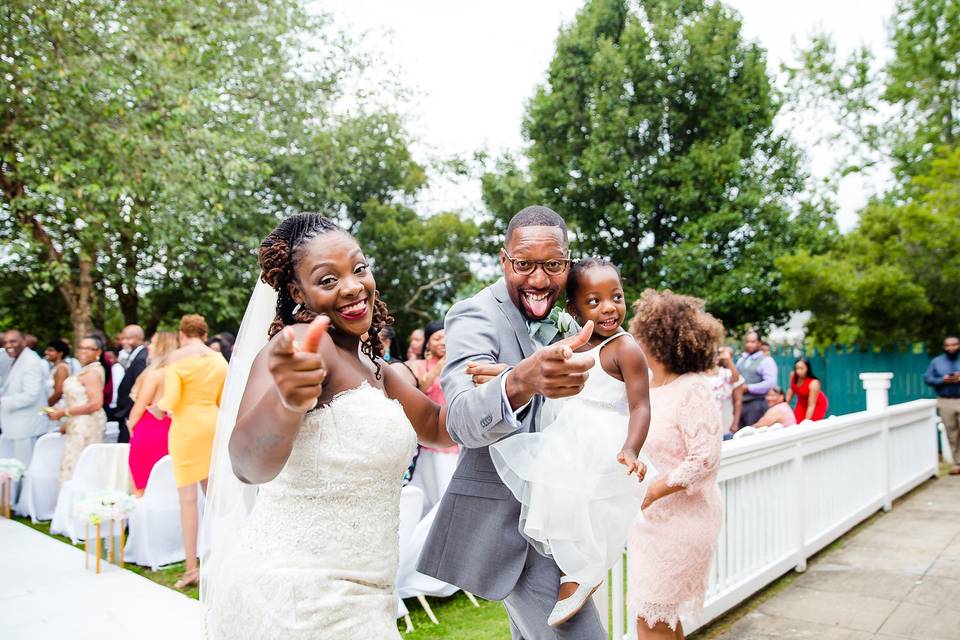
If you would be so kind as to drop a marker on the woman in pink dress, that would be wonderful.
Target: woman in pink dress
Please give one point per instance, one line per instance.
(148, 434)
(672, 546)
(435, 467)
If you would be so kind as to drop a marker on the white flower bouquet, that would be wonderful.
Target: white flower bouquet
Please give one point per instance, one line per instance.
(11, 468)
(109, 505)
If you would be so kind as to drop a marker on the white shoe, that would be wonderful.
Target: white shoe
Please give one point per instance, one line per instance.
(571, 605)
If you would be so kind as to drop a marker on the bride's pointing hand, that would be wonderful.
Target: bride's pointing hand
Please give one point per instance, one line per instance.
(297, 368)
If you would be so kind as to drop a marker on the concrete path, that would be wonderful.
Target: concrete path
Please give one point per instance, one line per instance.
(898, 577)
(45, 592)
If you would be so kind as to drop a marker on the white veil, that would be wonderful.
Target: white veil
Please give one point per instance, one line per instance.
(228, 501)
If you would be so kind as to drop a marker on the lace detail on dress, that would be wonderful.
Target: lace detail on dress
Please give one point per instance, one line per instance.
(699, 421)
(318, 556)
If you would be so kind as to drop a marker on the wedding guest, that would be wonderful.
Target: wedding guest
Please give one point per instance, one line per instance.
(22, 397)
(672, 546)
(223, 344)
(31, 341)
(148, 433)
(83, 420)
(760, 373)
(812, 402)
(726, 381)
(943, 374)
(415, 345)
(435, 467)
(391, 350)
(132, 339)
(765, 348)
(778, 410)
(56, 353)
(70, 359)
(193, 381)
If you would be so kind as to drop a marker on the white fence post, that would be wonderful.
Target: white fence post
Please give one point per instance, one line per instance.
(877, 386)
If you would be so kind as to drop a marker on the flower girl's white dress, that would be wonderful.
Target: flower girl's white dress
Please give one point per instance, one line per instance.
(577, 501)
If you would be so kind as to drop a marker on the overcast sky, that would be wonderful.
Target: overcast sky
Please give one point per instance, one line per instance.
(473, 66)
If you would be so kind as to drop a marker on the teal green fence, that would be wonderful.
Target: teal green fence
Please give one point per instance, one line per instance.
(839, 369)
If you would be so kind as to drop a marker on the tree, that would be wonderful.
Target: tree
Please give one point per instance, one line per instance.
(900, 112)
(147, 148)
(654, 135)
(892, 279)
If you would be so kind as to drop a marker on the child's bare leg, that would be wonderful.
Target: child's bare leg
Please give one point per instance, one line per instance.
(660, 631)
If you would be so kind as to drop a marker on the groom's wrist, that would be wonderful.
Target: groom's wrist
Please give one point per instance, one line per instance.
(518, 391)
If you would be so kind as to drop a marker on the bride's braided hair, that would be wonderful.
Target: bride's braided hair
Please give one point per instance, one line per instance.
(279, 255)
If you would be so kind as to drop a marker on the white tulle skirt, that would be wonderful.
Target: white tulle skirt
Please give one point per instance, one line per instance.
(577, 501)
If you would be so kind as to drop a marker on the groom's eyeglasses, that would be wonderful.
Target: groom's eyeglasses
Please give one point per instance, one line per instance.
(523, 267)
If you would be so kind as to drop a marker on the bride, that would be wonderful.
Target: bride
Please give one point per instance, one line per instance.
(323, 428)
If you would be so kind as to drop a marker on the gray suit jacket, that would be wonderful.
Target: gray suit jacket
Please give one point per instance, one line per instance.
(22, 396)
(474, 542)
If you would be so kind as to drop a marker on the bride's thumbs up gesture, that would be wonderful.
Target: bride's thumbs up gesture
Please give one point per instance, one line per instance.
(297, 368)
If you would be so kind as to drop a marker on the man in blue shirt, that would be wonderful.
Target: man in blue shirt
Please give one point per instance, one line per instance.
(943, 375)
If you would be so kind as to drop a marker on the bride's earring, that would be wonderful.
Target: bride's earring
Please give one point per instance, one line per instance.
(297, 309)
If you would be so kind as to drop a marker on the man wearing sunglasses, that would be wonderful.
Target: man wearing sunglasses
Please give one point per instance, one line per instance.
(504, 335)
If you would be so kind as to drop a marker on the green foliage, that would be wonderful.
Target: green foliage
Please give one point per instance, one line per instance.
(419, 262)
(149, 147)
(893, 278)
(901, 112)
(654, 136)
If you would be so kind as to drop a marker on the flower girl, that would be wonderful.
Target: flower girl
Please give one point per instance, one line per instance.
(576, 501)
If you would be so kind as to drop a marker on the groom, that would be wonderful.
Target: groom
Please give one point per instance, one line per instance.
(475, 543)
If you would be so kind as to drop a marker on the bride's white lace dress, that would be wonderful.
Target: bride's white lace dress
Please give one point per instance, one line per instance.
(318, 556)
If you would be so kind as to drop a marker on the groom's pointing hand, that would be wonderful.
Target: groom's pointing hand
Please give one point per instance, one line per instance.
(555, 371)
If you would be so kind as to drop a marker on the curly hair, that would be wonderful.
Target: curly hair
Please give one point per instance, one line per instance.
(676, 330)
(280, 253)
(578, 268)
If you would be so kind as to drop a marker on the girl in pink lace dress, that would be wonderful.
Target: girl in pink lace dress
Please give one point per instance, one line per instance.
(671, 548)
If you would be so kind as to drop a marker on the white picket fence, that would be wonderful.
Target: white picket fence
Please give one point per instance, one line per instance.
(789, 493)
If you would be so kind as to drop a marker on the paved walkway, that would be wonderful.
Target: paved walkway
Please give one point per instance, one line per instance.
(898, 577)
(45, 592)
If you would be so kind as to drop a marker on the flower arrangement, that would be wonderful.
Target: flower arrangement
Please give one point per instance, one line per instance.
(109, 505)
(11, 468)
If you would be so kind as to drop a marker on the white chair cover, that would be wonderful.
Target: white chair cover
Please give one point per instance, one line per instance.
(38, 497)
(156, 538)
(411, 506)
(410, 582)
(433, 473)
(112, 432)
(6, 447)
(101, 467)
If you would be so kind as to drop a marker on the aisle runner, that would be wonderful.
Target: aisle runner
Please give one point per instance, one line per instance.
(46, 593)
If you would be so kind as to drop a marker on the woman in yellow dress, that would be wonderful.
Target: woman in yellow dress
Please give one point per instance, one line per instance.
(193, 382)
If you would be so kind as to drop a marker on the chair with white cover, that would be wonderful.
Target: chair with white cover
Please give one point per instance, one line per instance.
(413, 584)
(411, 507)
(101, 467)
(6, 447)
(156, 538)
(112, 432)
(38, 497)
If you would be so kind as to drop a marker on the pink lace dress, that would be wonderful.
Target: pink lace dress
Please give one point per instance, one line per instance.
(671, 548)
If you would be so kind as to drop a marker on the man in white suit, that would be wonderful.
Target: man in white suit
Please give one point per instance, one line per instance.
(22, 397)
